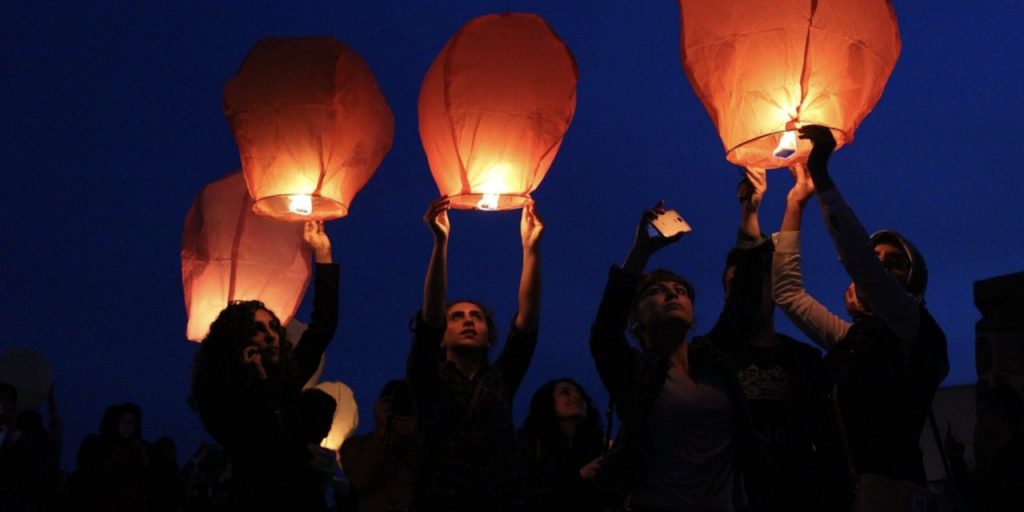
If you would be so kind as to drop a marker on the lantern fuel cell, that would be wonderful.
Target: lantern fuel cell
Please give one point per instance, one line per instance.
(670, 224)
(787, 145)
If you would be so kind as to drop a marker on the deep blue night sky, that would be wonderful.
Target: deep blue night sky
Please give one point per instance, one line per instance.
(113, 122)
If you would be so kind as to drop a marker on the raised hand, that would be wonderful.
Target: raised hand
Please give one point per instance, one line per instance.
(751, 190)
(436, 218)
(251, 356)
(530, 226)
(644, 243)
(589, 471)
(315, 236)
(823, 144)
(803, 187)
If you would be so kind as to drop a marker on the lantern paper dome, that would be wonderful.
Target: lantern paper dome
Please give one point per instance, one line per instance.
(229, 253)
(493, 109)
(311, 126)
(346, 414)
(763, 68)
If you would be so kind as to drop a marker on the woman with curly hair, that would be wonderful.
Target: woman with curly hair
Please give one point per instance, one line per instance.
(247, 389)
(562, 443)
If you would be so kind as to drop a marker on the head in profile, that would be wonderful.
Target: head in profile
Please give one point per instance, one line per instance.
(244, 328)
(902, 261)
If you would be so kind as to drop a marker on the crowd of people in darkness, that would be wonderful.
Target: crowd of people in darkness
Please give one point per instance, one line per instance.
(739, 418)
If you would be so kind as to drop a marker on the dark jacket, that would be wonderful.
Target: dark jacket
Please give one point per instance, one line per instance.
(634, 379)
(262, 423)
(470, 459)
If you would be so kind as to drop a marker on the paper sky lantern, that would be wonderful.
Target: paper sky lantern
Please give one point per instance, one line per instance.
(346, 414)
(763, 68)
(311, 126)
(493, 109)
(30, 373)
(229, 253)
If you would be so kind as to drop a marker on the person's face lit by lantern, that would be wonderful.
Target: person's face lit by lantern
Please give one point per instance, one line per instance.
(267, 337)
(661, 304)
(466, 327)
(569, 402)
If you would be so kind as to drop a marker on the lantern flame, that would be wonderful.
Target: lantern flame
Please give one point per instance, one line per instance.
(488, 202)
(301, 204)
(495, 180)
(787, 145)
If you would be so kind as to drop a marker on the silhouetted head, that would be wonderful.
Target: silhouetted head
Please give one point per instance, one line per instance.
(901, 260)
(122, 421)
(8, 403)
(558, 400)
(767, 310)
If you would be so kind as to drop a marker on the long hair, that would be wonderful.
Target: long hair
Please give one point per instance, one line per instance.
(218, 371)
(540, 435)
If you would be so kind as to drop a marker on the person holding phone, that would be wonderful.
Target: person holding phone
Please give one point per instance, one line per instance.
(883, 368)
(464, 401)
(686, 431)
(247, 389)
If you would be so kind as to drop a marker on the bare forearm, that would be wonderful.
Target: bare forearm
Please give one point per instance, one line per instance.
(529, 290)
(435, 284)
(793, 217)
(636, 260)
(749, 223)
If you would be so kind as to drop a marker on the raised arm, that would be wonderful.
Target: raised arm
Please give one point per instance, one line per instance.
(435, 284)
(810, 316)
(530, 228)
(644, 243)
(750, 192)
(323, 321)
(881, 292)
(748, 297)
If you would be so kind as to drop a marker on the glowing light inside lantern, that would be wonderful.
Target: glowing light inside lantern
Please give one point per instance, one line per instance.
(787, 145)
(301, 204)
(488, 202)
(494, 178)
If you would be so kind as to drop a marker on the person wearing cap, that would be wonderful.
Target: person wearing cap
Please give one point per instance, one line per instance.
(884, 366)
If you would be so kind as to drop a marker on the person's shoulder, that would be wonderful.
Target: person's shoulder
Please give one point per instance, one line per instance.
(797, 347)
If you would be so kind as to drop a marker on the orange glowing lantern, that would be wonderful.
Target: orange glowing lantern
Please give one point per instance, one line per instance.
(346, 414)
(229, 253)
(311, 126)
(763, 68)
(493, 109)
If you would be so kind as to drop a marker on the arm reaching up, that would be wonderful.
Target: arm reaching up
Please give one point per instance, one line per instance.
(435, 284)
(644, 243)
(530, 228)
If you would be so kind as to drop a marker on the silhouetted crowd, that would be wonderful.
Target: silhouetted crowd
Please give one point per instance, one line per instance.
(740, 418)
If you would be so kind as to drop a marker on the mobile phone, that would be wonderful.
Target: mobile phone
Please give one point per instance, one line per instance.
(670, 224)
